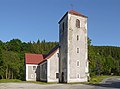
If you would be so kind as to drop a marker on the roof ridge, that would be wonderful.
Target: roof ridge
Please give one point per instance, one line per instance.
(32, 58)
(51, 52)
(76, 13)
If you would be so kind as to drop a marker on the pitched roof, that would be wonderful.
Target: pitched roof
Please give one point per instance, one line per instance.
(74, 13)
(52, 52)
(39, 58)
(33, 58)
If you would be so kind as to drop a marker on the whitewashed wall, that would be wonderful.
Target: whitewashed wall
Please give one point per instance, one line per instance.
(53, 67)
(77, 73)
(30, 73)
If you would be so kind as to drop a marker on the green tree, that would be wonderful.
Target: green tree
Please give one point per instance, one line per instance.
(1, 65)
(11, 65)
(14, 45)
(89, 41)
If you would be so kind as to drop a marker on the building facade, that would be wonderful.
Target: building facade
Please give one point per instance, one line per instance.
(32, 68)
(73, 63)
(49, 67)
(40, 67)
(68, 61)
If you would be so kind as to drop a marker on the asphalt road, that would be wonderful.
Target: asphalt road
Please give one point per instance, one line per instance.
(111, 83)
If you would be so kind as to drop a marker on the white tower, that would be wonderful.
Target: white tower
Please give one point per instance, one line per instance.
(73, 63)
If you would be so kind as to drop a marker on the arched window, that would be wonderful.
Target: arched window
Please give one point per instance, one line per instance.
(78, 75)
(77, 50)
(77, 37)
(77, 23)
(78, 63)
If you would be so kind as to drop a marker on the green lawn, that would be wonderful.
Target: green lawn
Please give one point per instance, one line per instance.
(98, 79)
(20, 81)
(9, 80)
(93, 80)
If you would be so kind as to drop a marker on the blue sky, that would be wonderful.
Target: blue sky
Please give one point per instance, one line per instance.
(30, 20)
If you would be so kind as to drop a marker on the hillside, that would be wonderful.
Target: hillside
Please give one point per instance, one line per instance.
(102, 59)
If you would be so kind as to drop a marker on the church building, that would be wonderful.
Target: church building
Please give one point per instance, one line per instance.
(68, 61)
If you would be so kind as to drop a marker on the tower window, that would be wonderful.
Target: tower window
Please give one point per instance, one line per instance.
(78, 63)
(57, 75)
(78, 75)
(77, 50)
(77, 37)
(77, 23)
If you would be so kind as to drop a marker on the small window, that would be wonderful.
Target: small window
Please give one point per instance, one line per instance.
(77, 37)
(34, 67)
(77, 50)
(77, 23)
(58, 54)
(57, 75)
(78, 63)
(78, 76)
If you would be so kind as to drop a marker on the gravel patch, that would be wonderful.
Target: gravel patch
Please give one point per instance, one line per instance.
(43, 86)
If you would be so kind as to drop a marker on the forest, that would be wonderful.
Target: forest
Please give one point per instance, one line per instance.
(103, 60)
(12, 55)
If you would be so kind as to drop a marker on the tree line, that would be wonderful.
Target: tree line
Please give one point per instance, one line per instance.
(103, 60)
(12, 55)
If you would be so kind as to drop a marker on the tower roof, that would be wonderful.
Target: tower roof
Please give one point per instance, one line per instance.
(74, 13)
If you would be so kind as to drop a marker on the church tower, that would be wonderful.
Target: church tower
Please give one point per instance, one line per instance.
(73, 60)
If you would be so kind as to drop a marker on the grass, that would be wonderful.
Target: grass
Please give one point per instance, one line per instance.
(38, 82)
(93, 80)
(9, 80)
(20, 81)
(98, 79)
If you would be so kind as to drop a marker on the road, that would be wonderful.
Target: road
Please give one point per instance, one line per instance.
(43, 86)
(111, 83)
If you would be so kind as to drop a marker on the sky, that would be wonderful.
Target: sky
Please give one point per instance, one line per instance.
(30, 20)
